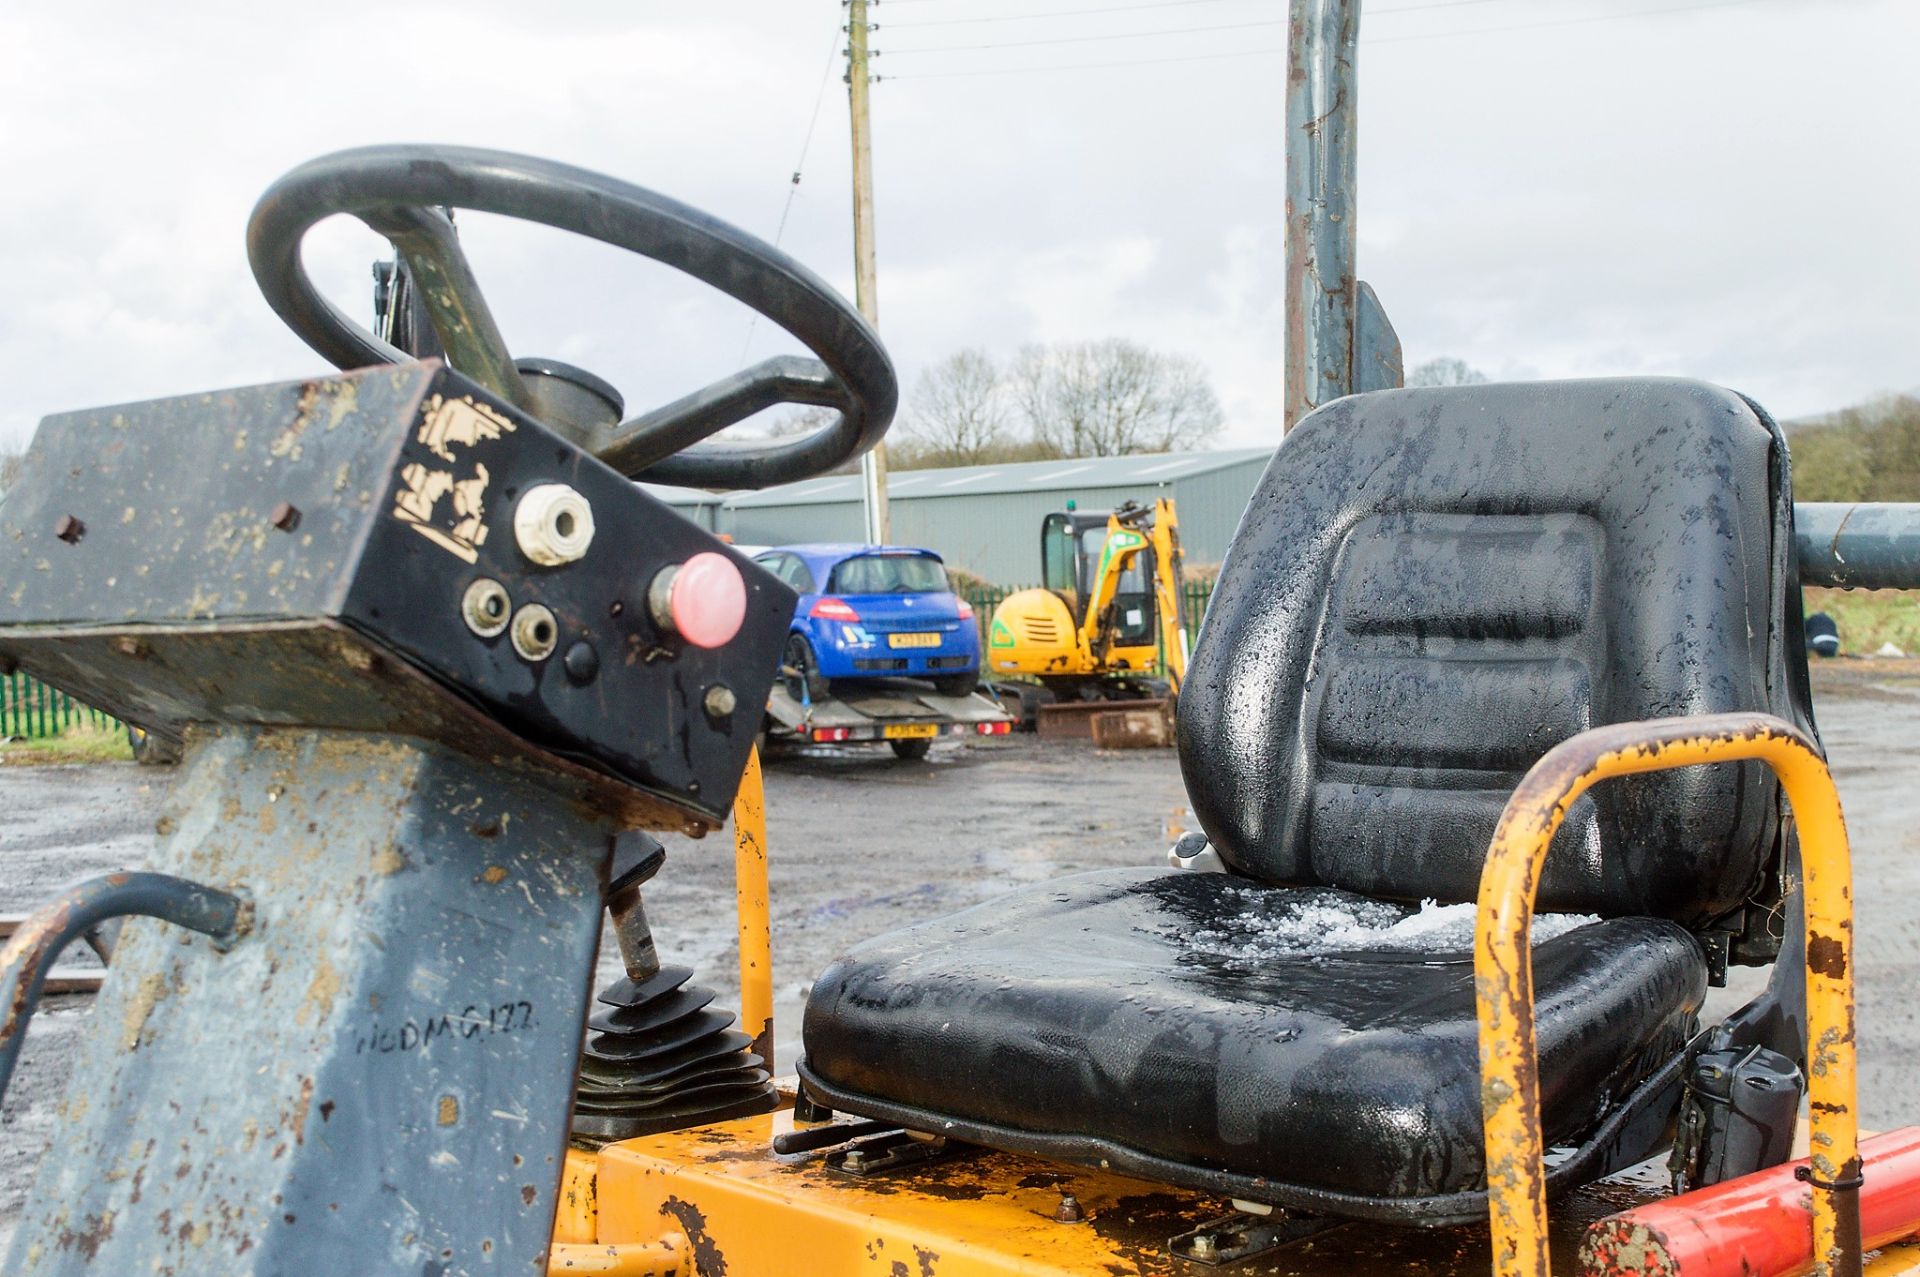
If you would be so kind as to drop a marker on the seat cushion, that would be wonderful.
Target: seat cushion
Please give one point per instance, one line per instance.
(1154, 1017)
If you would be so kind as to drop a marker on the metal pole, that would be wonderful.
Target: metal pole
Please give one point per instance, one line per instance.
(1858, 545)
(1322, 285)
(873, 465)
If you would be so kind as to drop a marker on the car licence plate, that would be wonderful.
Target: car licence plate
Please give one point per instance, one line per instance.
(913, 640)
(910, 731)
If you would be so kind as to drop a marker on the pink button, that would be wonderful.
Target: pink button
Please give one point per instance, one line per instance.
(708, 600)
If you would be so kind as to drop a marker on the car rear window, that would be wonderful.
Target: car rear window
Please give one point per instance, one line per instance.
(889, 574)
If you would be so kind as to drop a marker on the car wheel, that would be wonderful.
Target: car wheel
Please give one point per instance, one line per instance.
(957, 684)
(911, 750)
(805, 682)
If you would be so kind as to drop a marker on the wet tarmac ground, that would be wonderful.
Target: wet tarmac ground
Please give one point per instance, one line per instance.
(860, 843)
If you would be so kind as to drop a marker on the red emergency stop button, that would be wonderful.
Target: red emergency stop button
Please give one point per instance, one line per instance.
(703, 600)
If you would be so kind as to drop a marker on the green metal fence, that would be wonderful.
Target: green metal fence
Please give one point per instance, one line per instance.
(985, 598)
(31, 709)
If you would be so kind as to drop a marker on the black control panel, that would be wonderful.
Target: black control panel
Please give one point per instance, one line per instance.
(262, 555)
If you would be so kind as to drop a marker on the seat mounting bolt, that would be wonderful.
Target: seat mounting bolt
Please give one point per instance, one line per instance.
(1069, 1212)
(1203, 1246)
(855, 1159)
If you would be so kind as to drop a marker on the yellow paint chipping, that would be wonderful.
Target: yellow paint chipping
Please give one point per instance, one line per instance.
(1503, 969)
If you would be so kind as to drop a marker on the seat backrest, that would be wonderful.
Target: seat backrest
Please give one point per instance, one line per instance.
(1433, 587)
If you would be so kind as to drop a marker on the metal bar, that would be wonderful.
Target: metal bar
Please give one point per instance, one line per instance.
(445, 283)
(866, 290)
(29, 953)
(751, 908)
(72, 980)
(1322, 285)
(666, 1257)
(1858, 545)
(1756, 1223)
(1503, 967)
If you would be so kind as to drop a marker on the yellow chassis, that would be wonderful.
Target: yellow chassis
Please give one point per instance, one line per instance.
(718, 1199)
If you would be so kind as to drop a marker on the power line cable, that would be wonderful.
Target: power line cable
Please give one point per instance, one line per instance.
(1096, 39)
(1563, 22)
(1371, 11)
(1050, 13)
(1281, 49)
(799, 165)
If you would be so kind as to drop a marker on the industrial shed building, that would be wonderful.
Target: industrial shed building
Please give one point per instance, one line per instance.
(986, 519)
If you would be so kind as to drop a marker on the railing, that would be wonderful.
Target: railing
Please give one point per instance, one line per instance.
(31, 709)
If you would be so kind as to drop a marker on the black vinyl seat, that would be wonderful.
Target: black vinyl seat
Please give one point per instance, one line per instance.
(1429, 589)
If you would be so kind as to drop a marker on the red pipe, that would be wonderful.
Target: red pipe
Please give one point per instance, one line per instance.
(1758, 1225)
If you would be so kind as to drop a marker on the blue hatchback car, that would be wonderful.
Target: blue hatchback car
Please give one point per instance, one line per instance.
(875, 611)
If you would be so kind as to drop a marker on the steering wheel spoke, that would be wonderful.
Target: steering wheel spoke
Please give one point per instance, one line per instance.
(643, 442)
(454, 303)
(396, 190)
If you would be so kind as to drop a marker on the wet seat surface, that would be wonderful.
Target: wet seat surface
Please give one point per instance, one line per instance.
(1180, 1013)
(1428, 591)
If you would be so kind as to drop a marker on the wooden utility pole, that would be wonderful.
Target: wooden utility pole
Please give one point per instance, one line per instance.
(873, 466)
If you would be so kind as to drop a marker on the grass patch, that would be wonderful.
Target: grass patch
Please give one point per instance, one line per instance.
(1869, 618)
(78, 744)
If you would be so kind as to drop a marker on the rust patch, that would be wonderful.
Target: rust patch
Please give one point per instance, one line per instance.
(493, 874)
(449, 1110)
(1623, 1247)
(1827, 956)
(88, 1239)
(707, 1259)
(321, 991)
(153, 987)
(388, 861)
(299, 1122)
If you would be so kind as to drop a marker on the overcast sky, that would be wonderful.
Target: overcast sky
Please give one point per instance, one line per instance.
(1725, 190)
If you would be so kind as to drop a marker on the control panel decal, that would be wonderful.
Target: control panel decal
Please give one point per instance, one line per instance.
(446, 424)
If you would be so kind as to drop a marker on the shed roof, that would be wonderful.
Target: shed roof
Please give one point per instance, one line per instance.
(963, 481)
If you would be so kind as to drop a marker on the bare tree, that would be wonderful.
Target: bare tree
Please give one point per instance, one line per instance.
(798, 419)
(10, 463)
(1114, 397)
(960, 411)
(1446, 371)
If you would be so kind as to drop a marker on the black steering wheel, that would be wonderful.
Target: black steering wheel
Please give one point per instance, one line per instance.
(399, 190)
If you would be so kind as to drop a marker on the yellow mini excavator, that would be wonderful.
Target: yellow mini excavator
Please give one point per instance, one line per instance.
(1107, 616)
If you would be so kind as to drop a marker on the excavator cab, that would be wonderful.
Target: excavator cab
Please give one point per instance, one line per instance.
(1072, 550)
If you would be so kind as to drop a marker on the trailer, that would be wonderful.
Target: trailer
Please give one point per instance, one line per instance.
(906, 714)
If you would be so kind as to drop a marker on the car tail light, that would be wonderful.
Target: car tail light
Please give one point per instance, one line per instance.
(831, 609)
(993, 729)
(966, 609)
(823, 734)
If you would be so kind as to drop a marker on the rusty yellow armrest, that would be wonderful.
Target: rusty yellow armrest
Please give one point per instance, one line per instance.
(1503, 967)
